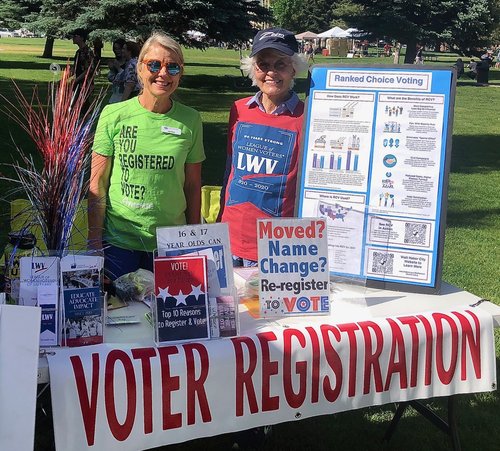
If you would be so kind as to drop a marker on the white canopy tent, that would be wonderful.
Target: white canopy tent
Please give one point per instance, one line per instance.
(335, 32)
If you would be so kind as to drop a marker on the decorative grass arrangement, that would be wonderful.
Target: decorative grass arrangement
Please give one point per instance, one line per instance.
(60, 128)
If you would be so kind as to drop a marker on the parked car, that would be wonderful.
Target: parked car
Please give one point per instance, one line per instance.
(23, 33)
(6, 33)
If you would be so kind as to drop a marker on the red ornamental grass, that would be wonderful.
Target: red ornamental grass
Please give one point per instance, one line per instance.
(61, 132)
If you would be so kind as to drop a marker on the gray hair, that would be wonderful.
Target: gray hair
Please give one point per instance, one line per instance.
(299, 64)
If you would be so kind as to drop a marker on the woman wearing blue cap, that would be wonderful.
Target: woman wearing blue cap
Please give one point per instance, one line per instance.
(263, 142)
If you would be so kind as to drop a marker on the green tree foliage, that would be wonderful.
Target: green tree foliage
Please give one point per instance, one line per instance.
(302, 15)
(230, 21)
(223, 20)
(289, 14)
(463, 24)
(13, 12)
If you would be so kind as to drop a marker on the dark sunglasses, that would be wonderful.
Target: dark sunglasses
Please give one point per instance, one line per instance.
(154, 66)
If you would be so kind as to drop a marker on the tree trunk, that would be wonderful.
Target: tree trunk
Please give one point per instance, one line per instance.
(49, 46)
(411, 51)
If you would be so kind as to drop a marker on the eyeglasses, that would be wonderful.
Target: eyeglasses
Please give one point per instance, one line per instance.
(278, 66)
(154, 66)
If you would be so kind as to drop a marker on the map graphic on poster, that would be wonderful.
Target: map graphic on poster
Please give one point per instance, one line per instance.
(181, 293)
(375, 166)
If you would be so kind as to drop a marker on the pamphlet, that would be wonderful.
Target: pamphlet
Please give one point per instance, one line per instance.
(39, 286)
(48, 297)
(211, 240)
(83, 301)
(37, 272)
(181, 304)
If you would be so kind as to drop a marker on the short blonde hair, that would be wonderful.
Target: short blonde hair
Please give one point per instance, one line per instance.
(299, 64)
(163, 39)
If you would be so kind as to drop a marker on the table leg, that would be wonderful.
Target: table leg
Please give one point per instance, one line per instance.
(395, 420)
(452, 422)
(449, 428)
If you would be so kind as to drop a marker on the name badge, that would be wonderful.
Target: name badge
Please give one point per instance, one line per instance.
(170, 130)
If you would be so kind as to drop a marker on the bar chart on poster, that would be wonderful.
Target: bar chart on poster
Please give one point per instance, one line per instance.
(375, 165)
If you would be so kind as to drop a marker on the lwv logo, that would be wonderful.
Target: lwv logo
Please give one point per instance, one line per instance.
(38, 266)
(254, 163)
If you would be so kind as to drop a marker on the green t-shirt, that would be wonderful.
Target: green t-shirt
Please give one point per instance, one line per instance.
(149, 151)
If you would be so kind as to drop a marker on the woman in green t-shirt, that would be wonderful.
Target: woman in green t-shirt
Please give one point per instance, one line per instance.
(146, 163)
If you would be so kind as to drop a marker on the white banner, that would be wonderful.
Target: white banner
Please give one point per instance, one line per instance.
(136, 398)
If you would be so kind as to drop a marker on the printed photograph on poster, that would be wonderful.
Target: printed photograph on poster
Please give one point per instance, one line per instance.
(82, 300)
(293, 267)
(181, 298)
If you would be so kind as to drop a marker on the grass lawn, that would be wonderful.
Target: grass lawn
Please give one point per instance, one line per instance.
(472, 249)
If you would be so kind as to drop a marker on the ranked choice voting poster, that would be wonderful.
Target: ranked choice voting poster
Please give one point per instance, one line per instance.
(375, 165)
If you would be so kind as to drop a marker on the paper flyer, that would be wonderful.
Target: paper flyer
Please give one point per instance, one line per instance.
(211, 240)
(293, 266)
(82, 300)
(181, 304)
(37, 272)
(48, 297)
(39, 286)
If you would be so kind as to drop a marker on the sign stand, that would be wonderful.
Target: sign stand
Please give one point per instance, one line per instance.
(375, 164)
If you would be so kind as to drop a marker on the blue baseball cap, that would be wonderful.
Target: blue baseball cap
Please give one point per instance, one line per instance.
(275, 38)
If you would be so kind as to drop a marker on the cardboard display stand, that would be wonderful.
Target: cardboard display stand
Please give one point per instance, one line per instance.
(293, 266)
(211, 241)
(375, 165)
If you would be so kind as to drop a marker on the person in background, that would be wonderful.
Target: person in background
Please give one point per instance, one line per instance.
(459, 64)
(419, 59)
(146, 163)
(309, 52)
(83, 63)
(396, 52)
(387, 49)
(97, 46)
(131, 83)
(472, 66)
(263, 143)
(116, 71)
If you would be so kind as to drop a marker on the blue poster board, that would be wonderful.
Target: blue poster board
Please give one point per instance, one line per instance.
(375, 165)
